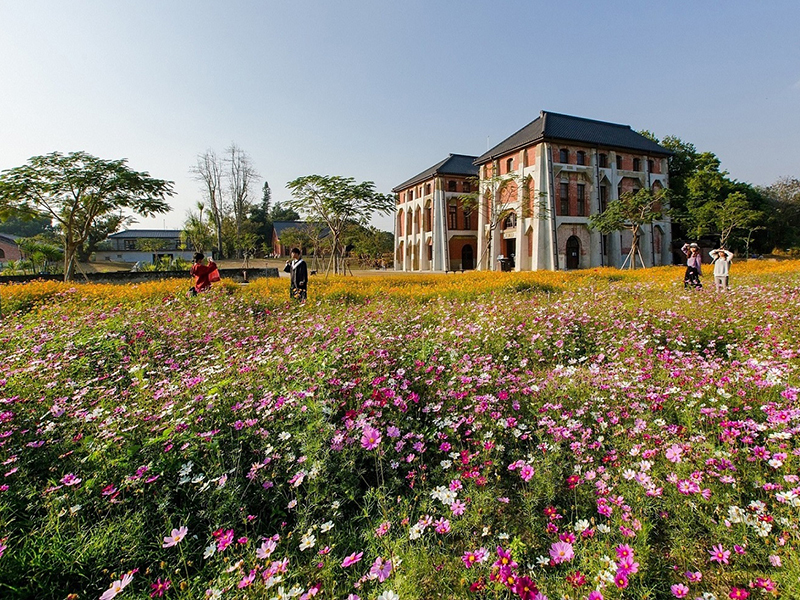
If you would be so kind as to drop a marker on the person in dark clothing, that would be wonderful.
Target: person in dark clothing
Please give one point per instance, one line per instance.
(201, 274)
(298, 271)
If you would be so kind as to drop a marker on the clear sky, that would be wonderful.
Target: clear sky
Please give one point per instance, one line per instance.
(380, 90)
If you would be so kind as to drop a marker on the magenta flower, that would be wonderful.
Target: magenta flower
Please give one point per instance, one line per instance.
(738, 593)
(695, 577)
(70, 479)
(352, 559)
(624, 551)
(595, 595)
(370, 438)
(458, 507)
(159, 587)
(621, 580)
(679, 590)
(719, 554)
(174, 537)
(561, 552)
(526, 472)
(380, 569)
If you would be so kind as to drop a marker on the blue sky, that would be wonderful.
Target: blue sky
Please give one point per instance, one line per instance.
(380, 90)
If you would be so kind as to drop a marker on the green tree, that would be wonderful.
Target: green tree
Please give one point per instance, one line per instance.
(783, 210)
(337, 201)
(100, 230)
(726, 217)
(76, 190)
(197, 234)
(27, 227)
(631, 211)
(40, 252)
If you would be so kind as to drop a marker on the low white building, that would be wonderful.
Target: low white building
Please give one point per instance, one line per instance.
(144, 246)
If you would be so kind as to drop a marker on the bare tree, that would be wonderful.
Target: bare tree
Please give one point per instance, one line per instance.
(208, 171)
(241, 177)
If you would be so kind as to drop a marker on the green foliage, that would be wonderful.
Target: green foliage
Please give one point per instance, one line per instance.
(337, 201)
(77, 191)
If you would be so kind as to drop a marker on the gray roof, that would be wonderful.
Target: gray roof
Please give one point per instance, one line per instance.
(147, 233)
(455, 164)
(550, 126)
(10, 237)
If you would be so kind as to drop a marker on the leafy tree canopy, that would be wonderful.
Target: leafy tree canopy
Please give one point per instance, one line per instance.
(76, 190)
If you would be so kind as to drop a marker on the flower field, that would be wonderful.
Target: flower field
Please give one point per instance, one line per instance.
(590, 435)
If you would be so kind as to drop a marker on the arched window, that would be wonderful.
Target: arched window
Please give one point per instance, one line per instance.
(619, 161)
(509, 165)
(637, 164)
(510, 221)
(563, 156)
(427, 188)
(580, 157)
(650, 166)
(602, 159)
(2, 253)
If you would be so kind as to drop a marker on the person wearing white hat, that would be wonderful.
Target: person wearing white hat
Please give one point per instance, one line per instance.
(694, 262)
(722, 267)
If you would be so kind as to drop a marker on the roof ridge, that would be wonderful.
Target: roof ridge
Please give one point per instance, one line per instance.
(546, 112)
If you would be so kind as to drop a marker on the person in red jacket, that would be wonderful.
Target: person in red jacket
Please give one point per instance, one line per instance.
(201, 273)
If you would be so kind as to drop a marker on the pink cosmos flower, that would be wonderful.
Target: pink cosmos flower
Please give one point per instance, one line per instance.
(561, 552)
(380, 569)
(266, 549)
(117, 587)
(370, 438)
(224, 538)
(458, 507)
(472, 557)
(70, 479)
(679, 590)
(174, 537)
(621, 580)
(159, 587)
(595, 595)
(738, 593)
(719, 554)
(442, 525)
(624, 551)
(695, 577)
(775, 560)
(383, 529)
(352, 559)
(627, 565)
(526, 472)
(673, 453)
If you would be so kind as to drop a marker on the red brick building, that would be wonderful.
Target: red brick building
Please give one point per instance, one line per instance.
(9, 251)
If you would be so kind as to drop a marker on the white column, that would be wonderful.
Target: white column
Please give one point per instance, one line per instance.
(480, 259)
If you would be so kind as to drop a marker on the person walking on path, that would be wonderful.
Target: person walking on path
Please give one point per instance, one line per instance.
(298, 271)
(694, 262)
(722, 266)
(202, 274)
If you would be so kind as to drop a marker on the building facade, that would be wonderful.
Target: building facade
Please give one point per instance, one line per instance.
(436, 224)
(144, 246)
(538, 188)
(9, 250)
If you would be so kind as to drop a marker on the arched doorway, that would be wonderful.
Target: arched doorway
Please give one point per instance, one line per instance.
(573, 252)
(467, 258)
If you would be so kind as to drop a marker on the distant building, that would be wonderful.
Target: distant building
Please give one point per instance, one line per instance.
(435, 230)
(546, 179)
(9, 250)
(283, 248)
(134, 246)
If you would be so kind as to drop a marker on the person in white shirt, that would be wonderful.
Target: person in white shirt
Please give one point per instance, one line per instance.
(722, 267)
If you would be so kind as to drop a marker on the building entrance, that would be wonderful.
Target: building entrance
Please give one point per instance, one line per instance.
(573, 252)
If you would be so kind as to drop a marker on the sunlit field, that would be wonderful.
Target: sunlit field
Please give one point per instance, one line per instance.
(583, 435)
